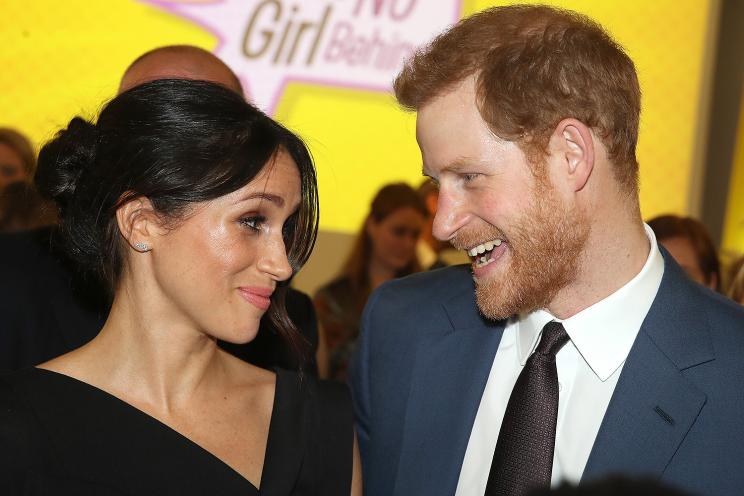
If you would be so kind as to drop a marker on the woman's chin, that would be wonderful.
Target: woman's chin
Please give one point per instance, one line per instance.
(400, 264)
(242, 336)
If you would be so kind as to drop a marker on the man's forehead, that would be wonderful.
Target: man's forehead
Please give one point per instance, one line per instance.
(460, 95)
(451, 121)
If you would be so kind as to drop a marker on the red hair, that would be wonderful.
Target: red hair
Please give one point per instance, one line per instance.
(535, 65)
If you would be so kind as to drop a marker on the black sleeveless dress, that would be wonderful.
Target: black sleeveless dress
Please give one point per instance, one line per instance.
(59, 435)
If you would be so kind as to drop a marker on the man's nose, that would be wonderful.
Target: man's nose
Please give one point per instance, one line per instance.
(450, 217)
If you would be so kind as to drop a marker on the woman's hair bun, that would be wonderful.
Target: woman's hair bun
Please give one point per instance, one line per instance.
(63, 160)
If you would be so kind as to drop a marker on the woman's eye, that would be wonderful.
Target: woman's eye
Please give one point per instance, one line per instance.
(253, 222)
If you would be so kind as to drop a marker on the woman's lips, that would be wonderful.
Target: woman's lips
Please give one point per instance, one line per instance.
(257, 296)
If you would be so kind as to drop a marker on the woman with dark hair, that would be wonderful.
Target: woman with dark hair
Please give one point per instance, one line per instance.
(195, 208)
(385, 248)
(689, 243)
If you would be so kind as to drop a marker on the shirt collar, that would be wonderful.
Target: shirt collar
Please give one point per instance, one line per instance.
(604, 332)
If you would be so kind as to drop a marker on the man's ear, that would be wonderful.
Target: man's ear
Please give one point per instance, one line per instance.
(138, 223)
(573, 141)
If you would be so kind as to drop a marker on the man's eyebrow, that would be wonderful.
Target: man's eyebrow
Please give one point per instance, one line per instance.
(456, 165)
(262, 195)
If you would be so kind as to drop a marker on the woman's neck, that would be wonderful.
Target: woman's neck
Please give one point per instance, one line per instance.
(378, 273)
(150, 354)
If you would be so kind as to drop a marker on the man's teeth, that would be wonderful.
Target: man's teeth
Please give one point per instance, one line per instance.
(488, 246)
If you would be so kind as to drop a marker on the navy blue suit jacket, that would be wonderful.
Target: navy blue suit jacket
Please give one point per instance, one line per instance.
(424, 355)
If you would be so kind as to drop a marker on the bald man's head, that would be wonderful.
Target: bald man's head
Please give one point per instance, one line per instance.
(179, 61)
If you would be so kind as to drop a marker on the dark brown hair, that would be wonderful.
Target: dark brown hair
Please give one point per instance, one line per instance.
(176, 142)
(674, 226)
(535, 65)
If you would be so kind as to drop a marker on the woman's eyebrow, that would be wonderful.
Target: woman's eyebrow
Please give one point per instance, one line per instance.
(276, 199)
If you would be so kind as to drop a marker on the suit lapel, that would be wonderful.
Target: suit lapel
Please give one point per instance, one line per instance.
(650, 413)
(654, 405)
(449, 376)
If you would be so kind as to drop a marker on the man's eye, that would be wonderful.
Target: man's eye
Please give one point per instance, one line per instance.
(469, 177)
(253, 222)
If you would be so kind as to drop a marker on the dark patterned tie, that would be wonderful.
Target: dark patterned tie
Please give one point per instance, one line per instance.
(523, 459)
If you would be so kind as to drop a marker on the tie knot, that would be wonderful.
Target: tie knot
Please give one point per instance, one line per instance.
(554, 336)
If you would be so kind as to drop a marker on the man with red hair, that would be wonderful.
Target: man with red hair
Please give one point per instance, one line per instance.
(573, 346)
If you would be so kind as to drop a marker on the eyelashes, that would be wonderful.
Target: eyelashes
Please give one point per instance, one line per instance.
(469, 177)
(256, 223)
(253, 222)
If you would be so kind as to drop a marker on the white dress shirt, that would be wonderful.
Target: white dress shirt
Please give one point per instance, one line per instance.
(588, 368)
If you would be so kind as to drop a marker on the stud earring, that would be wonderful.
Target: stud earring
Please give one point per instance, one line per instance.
(141, 247)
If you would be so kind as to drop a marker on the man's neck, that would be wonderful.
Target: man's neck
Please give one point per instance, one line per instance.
(616, 251)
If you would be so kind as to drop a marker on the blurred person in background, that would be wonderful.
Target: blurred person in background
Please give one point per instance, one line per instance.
(735, 289)
(431, 252)
(47, 307)
(179, 62)
(689, 243)
(385, 248)
(17, 157)
(616, 485)
(22, 208)
(429, 247)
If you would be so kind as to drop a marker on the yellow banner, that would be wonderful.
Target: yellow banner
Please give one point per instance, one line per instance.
(60, 59)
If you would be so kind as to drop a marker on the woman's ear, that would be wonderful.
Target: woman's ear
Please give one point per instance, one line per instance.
(138, 223)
